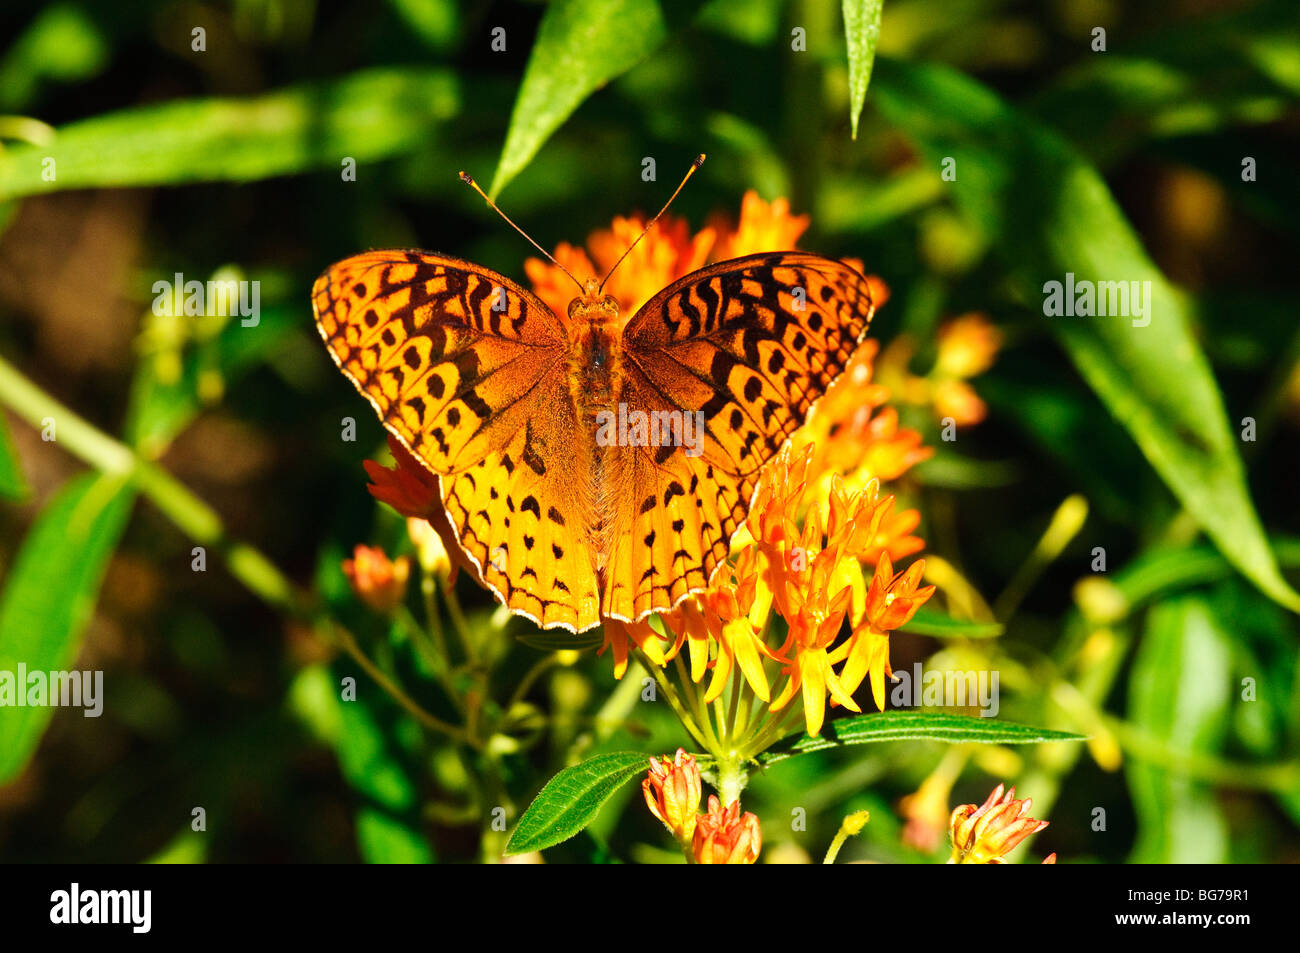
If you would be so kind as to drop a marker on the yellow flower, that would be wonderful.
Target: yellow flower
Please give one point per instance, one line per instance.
(925, 811)
(377, 580)
(672, 792)
(986, 834)
(891, 602)
(666, 253)
(727, 615)
(895, 538)
(958, 400)
(817, 515)
(967, 346)
(815, 578)
(618, 635)
(726, 836)
(430, 548)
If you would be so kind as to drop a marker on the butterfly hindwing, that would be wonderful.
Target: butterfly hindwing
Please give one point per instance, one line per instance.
(523, 514)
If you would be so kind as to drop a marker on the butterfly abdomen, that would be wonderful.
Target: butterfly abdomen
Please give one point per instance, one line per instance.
(595, 375)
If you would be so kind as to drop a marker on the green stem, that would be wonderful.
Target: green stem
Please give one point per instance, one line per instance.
(538, 669)
(349, 644)
(666, 689)
(772, 732)
(459, 623)
(436, 655)
(697, 707)
(851, 826)
(191, 515)
(732, 778)
(428, 589)
(196, 519)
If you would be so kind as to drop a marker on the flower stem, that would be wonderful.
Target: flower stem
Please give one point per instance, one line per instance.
(851, 826)
(666, 688)
(348, 642)
(697, 708)
(732, 778)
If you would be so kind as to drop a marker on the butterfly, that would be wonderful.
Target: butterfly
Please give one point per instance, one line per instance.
(589, 467)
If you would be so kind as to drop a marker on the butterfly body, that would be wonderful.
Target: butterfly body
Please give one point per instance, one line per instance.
(595, 466)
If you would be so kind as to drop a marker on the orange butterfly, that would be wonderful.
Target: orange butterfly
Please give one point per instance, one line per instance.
(591, 467)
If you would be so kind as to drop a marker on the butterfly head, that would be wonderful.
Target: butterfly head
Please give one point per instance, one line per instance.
(593, 307)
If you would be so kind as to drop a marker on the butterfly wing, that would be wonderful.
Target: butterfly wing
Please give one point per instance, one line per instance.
(469, 371)
(746, 346)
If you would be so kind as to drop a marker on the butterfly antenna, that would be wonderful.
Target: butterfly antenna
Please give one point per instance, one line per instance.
(469, 180)
(699, 161)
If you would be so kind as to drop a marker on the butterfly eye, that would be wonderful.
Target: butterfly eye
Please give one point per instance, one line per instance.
(610, 302)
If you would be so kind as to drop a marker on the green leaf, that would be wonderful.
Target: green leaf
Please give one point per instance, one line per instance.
(862, 31)
(13, 485)
(1049, 213)
(572, 799)
(1179, 693)
(580, 46)
(50, 594)
(913, 726)
(940, 625)
(366, 116)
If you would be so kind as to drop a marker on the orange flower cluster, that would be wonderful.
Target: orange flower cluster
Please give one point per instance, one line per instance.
(718, 836)
(967, 346)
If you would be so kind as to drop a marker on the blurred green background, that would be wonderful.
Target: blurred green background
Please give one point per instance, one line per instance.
(1125, 164)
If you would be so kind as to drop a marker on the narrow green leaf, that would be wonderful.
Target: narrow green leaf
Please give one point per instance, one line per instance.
(572, 799)
(913, 726)
(1179, 692)
(13, 485)
(1050, 215)
(581, 45)
(50, 594)
(366, 116)
(940, 625)
(862, 31)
